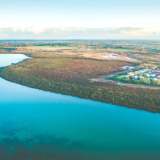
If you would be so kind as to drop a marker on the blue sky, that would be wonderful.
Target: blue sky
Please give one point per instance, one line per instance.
(90, 19)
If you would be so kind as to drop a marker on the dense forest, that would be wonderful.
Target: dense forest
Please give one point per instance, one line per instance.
(71, 75)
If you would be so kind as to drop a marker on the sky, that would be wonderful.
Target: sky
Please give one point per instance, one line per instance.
(79, 19)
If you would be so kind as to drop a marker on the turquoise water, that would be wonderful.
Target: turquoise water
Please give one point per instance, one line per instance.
(39, 125)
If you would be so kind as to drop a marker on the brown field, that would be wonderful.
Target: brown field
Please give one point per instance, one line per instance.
(70, 51)
(76, 69)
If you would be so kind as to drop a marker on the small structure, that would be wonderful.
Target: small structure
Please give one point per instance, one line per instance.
(115, 54)
(153, 67)
(131, 73)
(141, 77)
(148, 75)
(135, 77)
(153, 75)
(137, 72)
(127, 76)
(128, 67)
(156, 72)
(144, 70)
(155, 79)
(158, 77)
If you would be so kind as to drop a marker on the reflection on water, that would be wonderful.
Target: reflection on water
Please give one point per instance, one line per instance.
(38, 125)
(8, 59)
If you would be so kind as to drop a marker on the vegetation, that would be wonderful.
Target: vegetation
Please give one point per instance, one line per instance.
(146, 47)
(67, 70)
(71, 75)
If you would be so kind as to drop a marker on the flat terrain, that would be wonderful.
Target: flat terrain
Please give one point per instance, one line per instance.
(104, 54)
(38, 48)
(71, 71)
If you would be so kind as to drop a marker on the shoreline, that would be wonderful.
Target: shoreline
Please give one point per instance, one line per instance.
(93, 91)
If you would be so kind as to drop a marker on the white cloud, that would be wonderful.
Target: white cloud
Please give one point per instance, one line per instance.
(136, 32)
(36, 29)
(133, 32)
(68, 30)
(15, 29)
(40, 32)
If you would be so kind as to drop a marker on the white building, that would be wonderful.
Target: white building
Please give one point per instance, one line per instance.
(128, 67)
(135, 77)
(155, 79)
(141, 77)
(127, 76)
(153, 75)
(148, 75)
(131, 73)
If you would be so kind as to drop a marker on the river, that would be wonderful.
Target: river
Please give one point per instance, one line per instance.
(40, 125)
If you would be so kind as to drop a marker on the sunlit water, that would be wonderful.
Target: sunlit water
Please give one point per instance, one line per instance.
(39, 125)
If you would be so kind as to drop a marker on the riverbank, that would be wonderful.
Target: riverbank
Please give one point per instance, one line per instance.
(70, 76)
(103, 79)
(42, 123)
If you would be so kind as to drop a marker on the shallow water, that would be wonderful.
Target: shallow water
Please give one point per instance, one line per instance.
(8, 59)
(39, 125)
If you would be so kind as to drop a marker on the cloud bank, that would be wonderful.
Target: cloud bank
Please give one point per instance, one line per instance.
(39, 32)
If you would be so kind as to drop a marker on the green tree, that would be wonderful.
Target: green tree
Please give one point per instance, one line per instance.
(145, 80)
(155, 83)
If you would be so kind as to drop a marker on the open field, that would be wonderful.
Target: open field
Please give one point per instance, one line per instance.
(46, 47)
(104, 54)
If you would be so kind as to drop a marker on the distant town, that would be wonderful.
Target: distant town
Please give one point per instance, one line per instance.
(149, 75)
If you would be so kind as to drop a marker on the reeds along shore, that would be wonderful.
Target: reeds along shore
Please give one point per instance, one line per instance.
(70, 76)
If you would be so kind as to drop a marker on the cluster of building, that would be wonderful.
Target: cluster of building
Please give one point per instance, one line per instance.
(149, 73)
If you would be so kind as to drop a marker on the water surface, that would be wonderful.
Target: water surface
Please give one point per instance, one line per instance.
(8, 59)
(39, 125)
